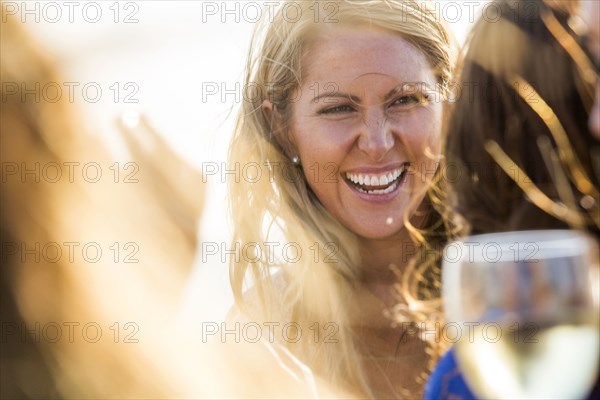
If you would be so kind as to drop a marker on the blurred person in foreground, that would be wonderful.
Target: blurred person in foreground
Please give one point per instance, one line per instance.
(133, 346)
(343, 128)
(520, 138)
(44, 211)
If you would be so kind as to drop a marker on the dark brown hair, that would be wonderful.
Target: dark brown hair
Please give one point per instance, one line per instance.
(517, 53)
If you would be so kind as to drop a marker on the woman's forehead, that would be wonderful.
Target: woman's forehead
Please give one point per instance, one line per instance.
(348, 54)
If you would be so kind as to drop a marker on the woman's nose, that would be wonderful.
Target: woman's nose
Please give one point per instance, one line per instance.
(376, 137)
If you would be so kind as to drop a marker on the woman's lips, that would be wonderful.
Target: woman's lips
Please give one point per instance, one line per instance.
(382, 185)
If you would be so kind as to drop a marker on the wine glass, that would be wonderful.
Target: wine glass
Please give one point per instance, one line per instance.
(526, 306)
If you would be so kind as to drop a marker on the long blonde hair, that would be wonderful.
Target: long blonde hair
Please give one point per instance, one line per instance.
(319, 289)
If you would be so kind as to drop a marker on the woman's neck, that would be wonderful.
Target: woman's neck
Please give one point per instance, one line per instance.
(378, 254)
(391, 357)
(384, 259)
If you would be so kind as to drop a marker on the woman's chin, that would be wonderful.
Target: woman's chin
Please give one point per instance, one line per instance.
(385, 231)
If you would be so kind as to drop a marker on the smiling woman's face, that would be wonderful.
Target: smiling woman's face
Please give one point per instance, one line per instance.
(366, 111)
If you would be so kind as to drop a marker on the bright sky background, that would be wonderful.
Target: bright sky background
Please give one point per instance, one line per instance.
(173, 49)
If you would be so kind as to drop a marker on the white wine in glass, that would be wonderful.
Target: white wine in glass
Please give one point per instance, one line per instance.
(527, 307)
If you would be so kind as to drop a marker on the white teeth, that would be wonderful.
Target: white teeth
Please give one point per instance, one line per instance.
(376, 180)
(391, 179)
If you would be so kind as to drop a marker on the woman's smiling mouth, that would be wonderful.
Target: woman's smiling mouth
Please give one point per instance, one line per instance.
(377, 183)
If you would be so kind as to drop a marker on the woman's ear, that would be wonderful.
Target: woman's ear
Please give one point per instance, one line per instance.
(268, 110)
(273, 119)
(277, 128)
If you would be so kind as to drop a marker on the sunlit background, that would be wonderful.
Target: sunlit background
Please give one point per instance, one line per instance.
(179, 63)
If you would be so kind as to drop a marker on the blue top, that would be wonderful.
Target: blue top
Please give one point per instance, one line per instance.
(446, 381)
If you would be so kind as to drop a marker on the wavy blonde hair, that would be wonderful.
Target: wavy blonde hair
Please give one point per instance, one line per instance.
(318, 289)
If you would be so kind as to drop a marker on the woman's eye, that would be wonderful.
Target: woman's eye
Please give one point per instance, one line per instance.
(336, 110)
(409, 100)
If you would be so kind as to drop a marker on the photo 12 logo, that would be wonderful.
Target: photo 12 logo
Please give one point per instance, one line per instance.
(69, 252)
(67, 331)
(68, 171)
(253, 12)
(271, 252)
(252, 332)
(72, 11)
(53, 92)
(471, 332)
(491, 252)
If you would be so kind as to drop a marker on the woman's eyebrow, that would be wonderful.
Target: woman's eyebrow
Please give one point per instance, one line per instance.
(407, 86)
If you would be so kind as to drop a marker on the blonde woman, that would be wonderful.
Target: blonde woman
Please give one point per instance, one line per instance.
(339, 134)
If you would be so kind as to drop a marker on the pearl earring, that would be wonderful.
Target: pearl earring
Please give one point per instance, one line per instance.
(296, 160)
